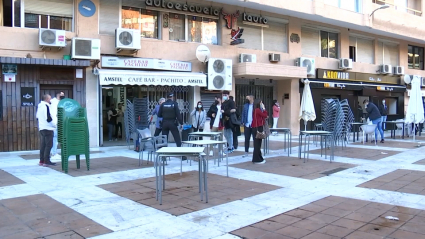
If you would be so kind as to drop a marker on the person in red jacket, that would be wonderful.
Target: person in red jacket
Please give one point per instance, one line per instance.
(259, 119)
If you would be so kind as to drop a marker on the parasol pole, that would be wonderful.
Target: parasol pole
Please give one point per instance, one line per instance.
(305, 125)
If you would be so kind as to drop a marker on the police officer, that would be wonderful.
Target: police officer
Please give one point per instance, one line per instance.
(171, 117)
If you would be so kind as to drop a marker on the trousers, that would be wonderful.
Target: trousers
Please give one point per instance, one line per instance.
(275, 122)
(169, 126)
(228, 133)
(46, 143)
(256, 155)
(248, 133)
(378, 122)
(54, 149)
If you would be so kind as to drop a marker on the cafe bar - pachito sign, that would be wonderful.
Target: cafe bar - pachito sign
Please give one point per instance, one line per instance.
(356, 76)
(184, 7)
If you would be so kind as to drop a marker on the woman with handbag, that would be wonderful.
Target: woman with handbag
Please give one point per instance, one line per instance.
(258, 122)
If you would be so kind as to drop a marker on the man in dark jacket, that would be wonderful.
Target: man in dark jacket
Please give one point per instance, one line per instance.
(383, 109)
(375, 116)
(213, 107)
(228, 108)
(237, 129)
(247, 115)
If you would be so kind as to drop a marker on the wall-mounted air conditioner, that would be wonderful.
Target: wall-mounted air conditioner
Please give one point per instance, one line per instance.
(85, 48)
(51, 38)
(127, 39)
(398, 70)
(274, 57)
(309, 63)
(220, 74)
(385, 69)
(247, 58)
(345, 63)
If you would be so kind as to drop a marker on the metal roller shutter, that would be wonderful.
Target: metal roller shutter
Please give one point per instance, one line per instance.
(207, 99)
(310, 42)
(109, 16)
(59, 8)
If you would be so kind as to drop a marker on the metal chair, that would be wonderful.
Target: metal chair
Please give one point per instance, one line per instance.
(400, 127)
(146, 139)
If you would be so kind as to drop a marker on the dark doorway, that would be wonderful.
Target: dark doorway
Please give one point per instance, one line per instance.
(53, 89)
(265, 93)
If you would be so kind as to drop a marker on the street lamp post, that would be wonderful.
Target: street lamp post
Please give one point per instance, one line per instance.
(379, 8)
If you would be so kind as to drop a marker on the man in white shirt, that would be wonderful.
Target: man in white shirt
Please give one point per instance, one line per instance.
(46, 126)
(54, 111)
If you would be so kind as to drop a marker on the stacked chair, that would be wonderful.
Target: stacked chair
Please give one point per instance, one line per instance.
(73, 132)
(136, 118)
(337, 118)
(129, 121)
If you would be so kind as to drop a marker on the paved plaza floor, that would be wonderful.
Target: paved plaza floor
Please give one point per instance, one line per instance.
(350, 198)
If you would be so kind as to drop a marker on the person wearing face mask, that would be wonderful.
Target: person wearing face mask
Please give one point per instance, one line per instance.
(247, 116)
(198, 118)
(375, 116)
(47, 123)
(228, 108)
(54, 111)
(276, 111)
(383, 109)
(158, 122)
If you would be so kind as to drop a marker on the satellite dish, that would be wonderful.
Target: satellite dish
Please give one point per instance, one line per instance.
(203, 53)
(407, 79)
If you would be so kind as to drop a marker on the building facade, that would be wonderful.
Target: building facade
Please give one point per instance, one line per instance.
(277, 37)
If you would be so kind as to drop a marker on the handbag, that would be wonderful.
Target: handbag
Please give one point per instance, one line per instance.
(259, 134)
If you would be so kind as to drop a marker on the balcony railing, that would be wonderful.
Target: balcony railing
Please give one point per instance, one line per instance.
(398, 7)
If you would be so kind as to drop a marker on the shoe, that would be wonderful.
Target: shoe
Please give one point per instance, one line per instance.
(51, 164)
(45, 165)
(56, 157)
(373, 141)
(245, 155)
(382, 141)
(115, 139)
(262, 162)
(40, 164)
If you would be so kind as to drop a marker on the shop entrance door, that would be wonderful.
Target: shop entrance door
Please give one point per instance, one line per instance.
(265, 93)
(53, 89)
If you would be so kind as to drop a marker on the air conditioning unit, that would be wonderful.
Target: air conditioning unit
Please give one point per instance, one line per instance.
(398, 70)
(220, 74)
(127, 39)
(85, 48)
(345, 63)
(247, 58)
(51, 38)
(274, 57)
(385, 69)
(309, 63)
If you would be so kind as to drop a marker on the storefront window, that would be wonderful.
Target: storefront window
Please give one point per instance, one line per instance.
(145, 20)
(415, 57)
(176, 27)
(202, 30)
(329, 44)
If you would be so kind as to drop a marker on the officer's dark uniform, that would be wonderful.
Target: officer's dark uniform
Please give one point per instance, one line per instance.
(169, 111)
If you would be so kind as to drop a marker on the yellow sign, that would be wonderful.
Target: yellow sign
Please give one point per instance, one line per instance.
(336, 75)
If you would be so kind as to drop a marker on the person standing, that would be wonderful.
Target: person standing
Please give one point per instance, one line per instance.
(170, 113)
(158, 122)
(209, 113)
(112, 121)
(215, 114)
(54, 111)
(276, 111)
(228, 108)
(374, 115)
(260, 116)
(247, 115)
(237, 128)
(383, 109)
(198, 118)
(120, 120)
(47, 123)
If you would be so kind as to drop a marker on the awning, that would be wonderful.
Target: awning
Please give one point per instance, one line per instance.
(166, 78)
(315, 83)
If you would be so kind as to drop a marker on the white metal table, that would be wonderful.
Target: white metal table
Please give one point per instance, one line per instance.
(213, 135)
(287, 137)
(179, 152)
(210, 143)
(322, 134)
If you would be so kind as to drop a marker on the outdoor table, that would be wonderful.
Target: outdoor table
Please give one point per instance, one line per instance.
(287, 137)
(356, 124)
(210, 143)
(315, 133)
(394, 128)
(213, 135)
(179, 152)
